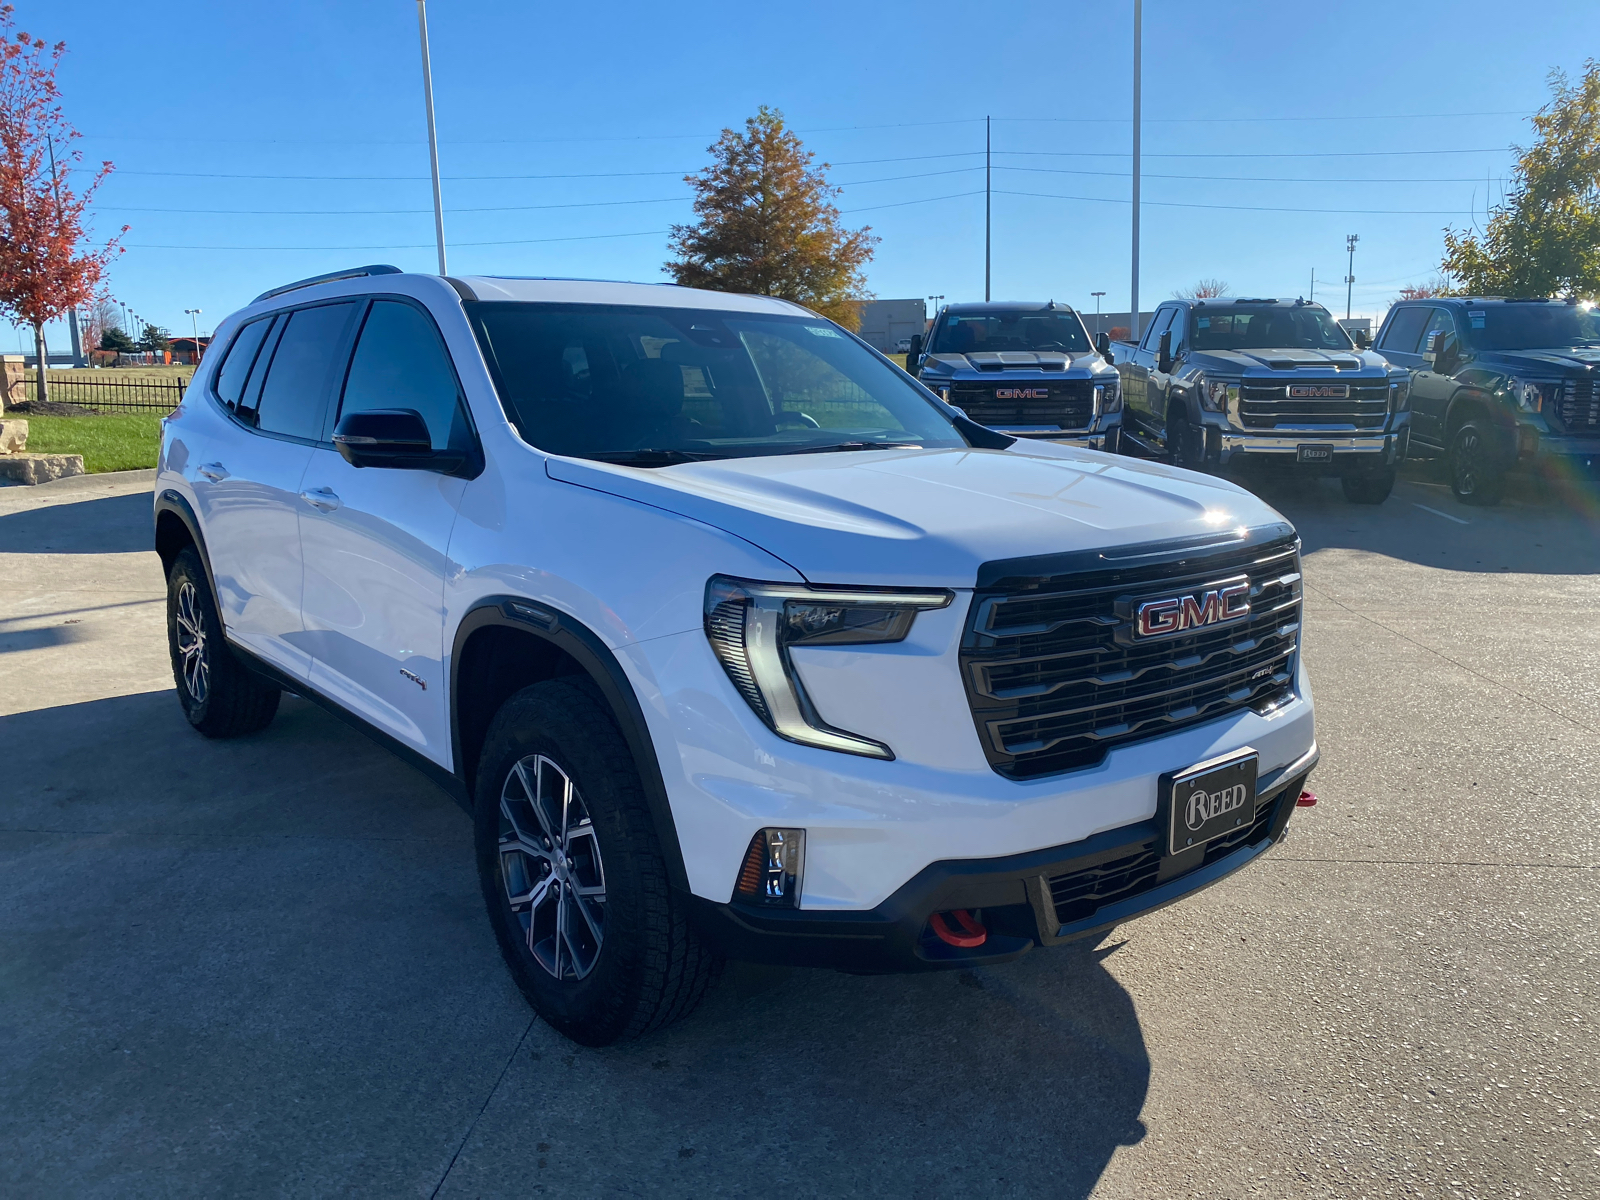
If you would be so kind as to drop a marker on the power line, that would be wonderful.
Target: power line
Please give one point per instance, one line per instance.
(591, 237)
(1412, 212)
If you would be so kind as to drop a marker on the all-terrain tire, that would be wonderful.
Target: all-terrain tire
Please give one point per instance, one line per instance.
(631, 963)
(221, 697)
(1369, 487)
(1180, 445)
(1475, 464)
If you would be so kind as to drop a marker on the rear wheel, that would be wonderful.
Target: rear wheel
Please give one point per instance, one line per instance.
(573, 874)
(1368, 487)
(1475, 465)
(220, 697)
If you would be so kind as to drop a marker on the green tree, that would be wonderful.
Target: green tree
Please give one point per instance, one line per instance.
(1545, 239)
(114, 339)
(155, 339)
(766, 223)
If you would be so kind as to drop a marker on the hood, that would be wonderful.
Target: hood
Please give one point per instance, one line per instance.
(1564, 362)
(1290, 359)
(995, 363)
(930, 518)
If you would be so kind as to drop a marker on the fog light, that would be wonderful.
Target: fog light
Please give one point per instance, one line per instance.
(773, 868)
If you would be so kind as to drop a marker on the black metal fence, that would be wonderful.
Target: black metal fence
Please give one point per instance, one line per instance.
(111, 395)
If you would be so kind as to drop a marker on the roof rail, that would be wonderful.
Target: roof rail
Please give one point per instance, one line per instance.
(1254, 299)
(330, 277)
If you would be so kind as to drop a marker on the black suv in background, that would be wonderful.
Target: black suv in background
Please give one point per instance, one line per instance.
(1499, 383)
(1218, 384)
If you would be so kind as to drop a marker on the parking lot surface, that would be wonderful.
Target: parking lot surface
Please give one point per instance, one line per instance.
(262, 966)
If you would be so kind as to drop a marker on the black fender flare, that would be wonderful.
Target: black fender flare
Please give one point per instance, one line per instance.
(170, 501)
(580, 643)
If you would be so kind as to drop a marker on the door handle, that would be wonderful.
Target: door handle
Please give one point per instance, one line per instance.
(321, 499)
(215, 472)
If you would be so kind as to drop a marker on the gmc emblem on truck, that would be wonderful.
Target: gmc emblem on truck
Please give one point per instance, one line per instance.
(1022, 393)
(1319, 391)
(1166, 615)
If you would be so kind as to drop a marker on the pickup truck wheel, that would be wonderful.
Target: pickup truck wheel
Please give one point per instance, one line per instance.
(1477, 474)
(1369, 487)
(220, 697)
(573, 874)
(1180, 445)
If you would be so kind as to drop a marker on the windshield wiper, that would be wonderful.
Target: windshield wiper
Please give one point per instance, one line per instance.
(652, 457)
(856, 446)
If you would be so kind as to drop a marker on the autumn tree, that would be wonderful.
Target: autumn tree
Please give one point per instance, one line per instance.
(1545, 239)
(1437, 286)
(766, 223)
(1203, 289)
(45, 267)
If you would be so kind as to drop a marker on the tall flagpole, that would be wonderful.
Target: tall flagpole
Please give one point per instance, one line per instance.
(433, 137)
(1138, 22)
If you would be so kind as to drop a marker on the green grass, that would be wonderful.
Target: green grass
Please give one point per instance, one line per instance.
(121, 443)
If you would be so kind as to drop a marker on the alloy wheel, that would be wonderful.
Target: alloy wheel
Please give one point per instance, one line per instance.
(196, 663)
(550, 867)
(1466, 463)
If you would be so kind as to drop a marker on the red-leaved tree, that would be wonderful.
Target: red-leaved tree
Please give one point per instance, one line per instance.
(46, 267)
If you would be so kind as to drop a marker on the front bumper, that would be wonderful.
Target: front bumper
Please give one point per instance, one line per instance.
(1040, 898)
(1349, 449)
(1575, 455)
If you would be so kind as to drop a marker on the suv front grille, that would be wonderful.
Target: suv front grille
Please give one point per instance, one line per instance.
(1580, 405)
(1067, 403)
(1055, 677)
(1267, 406)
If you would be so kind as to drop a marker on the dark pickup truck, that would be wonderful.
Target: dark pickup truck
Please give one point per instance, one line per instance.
(1026, 369)
(1497, 384)
(1221, 384)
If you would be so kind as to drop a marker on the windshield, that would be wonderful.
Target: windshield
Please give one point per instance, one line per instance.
(1556, 326)
(654, 386)
(1041, 329)
(1268, 328)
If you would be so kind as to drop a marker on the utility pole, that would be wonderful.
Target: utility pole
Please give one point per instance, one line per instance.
(1138, 33)
(194, 324)
(1097, 296)
(433, 137)
(986, 208)
(1313, 285)
(1350, 279)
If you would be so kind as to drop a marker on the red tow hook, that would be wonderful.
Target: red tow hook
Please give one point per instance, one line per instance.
(1306, 800)
(972, 934)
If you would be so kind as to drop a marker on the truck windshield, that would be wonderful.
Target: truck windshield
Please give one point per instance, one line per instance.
(657, 386)
(1268, 328)
(1040, 329)
(1555, 326)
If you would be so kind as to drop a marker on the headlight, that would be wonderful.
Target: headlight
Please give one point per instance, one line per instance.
(1528, 394)
(751, 627)
(1399, 393)
(1108, 395)
(1215, 393)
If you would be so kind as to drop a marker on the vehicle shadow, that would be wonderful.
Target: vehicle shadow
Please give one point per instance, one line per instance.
(104, 525)
(241, 966)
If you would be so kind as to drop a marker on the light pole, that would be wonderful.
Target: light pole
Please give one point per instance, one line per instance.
(1097, 296)
(194, 324)
(1350, 279)
(1138, 34)
(433, 139)
(986, 210)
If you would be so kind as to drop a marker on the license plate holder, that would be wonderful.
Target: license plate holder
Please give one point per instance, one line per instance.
(1314, 454)
(1208, 800)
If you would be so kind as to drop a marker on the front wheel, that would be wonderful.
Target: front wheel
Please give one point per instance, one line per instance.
(1369, 487)
(573, 874)
(220, 697)
(1477, 472)
(1181, 446)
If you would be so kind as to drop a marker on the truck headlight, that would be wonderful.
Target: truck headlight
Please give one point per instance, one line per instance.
(1399, 393)
(1215, 393)
(1528, 394)
(751, 627)
(1108, 396)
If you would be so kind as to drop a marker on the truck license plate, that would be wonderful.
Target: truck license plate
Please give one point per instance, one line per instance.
(1208, 800)
(1316, 454)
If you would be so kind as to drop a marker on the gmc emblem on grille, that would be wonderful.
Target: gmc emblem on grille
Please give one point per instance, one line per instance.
(1319, 391)
(1165, 615)
(1022, 393)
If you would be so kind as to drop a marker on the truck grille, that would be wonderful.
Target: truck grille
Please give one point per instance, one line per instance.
(1068, 404)
(1267, 406)
(1580, 406)
(1055, 678)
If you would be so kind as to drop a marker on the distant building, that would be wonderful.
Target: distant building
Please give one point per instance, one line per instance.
(885, 323)
(183, 349)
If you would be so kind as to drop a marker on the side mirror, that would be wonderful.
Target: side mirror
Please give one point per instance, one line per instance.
(1102, 346)
(1164, 352)
(396, 438)
(1441, 353)
(914, 354)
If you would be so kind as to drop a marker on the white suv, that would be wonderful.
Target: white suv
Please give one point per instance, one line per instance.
(733, 639)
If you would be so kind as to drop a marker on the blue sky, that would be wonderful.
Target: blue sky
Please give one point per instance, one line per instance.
(259, 143)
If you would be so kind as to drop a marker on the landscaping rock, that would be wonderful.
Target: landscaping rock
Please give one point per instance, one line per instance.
(38, 468)
(13, 437)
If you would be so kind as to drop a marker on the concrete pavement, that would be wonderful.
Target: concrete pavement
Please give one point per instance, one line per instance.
(261, 966)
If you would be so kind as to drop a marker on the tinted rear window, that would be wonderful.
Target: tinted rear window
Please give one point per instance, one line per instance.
(296, 388)
(241, 355)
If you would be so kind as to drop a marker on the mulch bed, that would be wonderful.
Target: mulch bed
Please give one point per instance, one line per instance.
(50, 408)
